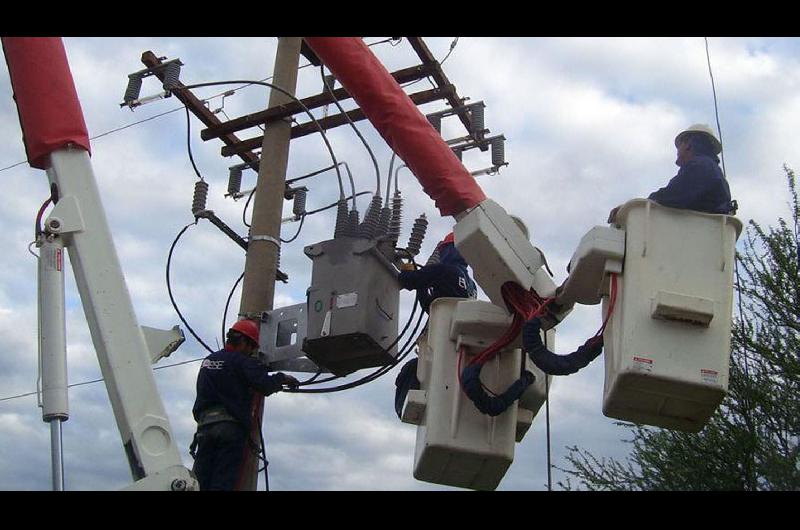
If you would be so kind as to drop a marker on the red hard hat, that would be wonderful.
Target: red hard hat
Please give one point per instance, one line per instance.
(248, 328)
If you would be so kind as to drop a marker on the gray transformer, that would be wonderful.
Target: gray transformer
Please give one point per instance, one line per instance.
(353, 305)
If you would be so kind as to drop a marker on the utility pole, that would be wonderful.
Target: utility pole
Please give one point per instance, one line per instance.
(258, 289)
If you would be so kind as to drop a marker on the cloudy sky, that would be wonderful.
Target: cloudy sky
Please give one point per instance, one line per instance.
(589, 121)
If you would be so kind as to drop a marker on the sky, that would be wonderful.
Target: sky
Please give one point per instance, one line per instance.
(589, 123)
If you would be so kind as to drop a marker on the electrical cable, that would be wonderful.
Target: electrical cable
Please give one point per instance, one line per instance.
(227, 305)
(169, 288)
(244, 210)
(547, 424)
(189, 144)
(333, 205)
(355, 129)
(452, 47)
(716, 110)
(263, 453)
(302, 220)
(284, 92)
(123, 127)
(8, 398)
(38, 224)
(402, 353)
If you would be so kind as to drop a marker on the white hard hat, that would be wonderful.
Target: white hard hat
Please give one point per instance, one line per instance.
(705, 129)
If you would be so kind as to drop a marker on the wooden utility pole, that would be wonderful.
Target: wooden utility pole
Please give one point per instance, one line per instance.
(258, 289)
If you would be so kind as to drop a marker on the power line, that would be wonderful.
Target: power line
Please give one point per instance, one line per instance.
(102, 379)
(716, 110)
(122, 128)
(209, 98)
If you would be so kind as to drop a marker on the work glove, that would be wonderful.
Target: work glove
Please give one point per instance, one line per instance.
(290, 382)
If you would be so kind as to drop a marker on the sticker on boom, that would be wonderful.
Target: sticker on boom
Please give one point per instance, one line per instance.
(709, 376)
(643, 364)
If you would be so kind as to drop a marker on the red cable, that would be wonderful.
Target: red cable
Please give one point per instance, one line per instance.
(39, 216)
(611, 304)
(525, 305)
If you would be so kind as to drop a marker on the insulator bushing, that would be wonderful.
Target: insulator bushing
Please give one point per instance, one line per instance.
(172, 72)
(299, 204)
(342, 219)
(385, 219)
(200, 197)
(417, 235)
(397, 217)
(234, 180)
(369, 227)
(352, 224)
(436, 122)
(476, 118)
(133, 89)
(498, 151)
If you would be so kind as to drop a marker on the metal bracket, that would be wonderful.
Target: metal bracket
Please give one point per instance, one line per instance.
(281, 339)
(162, 342)
(66, 217)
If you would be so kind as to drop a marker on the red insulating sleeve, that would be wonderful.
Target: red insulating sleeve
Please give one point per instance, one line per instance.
(442, 175)
(49, 111)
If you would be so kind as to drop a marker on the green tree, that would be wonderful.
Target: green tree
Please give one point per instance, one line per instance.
(753, 441)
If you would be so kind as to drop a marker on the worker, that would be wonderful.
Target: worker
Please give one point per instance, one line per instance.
(226, 386)
(446, 278)
(700, 184)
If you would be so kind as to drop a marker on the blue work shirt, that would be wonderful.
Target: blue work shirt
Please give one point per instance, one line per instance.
(229, 378)
(448, 278)
(699, 185)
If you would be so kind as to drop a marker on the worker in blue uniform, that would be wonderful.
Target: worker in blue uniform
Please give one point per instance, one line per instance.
(226, 386)
(448, 277)
(700, 184)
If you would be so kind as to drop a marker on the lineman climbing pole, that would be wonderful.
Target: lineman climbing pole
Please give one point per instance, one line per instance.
(258, 289)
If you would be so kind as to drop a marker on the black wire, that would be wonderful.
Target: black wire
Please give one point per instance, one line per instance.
(8, 398)
(189, 143)
(365, 378)
(716, 111)
(169, 288)
(264, 453)
(452, 47)
(289, 95)
(302, 220)
(309, 175)
(244, 210)
(355, 129)
(227, 304)
(311, 379)
(335, 204)
(547, 418)
(402, 354)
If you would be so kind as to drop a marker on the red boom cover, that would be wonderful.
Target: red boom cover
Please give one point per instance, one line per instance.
(49, 111)
(442, 175)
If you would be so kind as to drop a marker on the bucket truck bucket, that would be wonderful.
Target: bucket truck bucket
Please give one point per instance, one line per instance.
(457, 445)
(667, 345)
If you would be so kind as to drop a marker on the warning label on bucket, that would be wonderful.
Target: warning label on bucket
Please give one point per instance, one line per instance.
(642, 363)
(709, 376)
